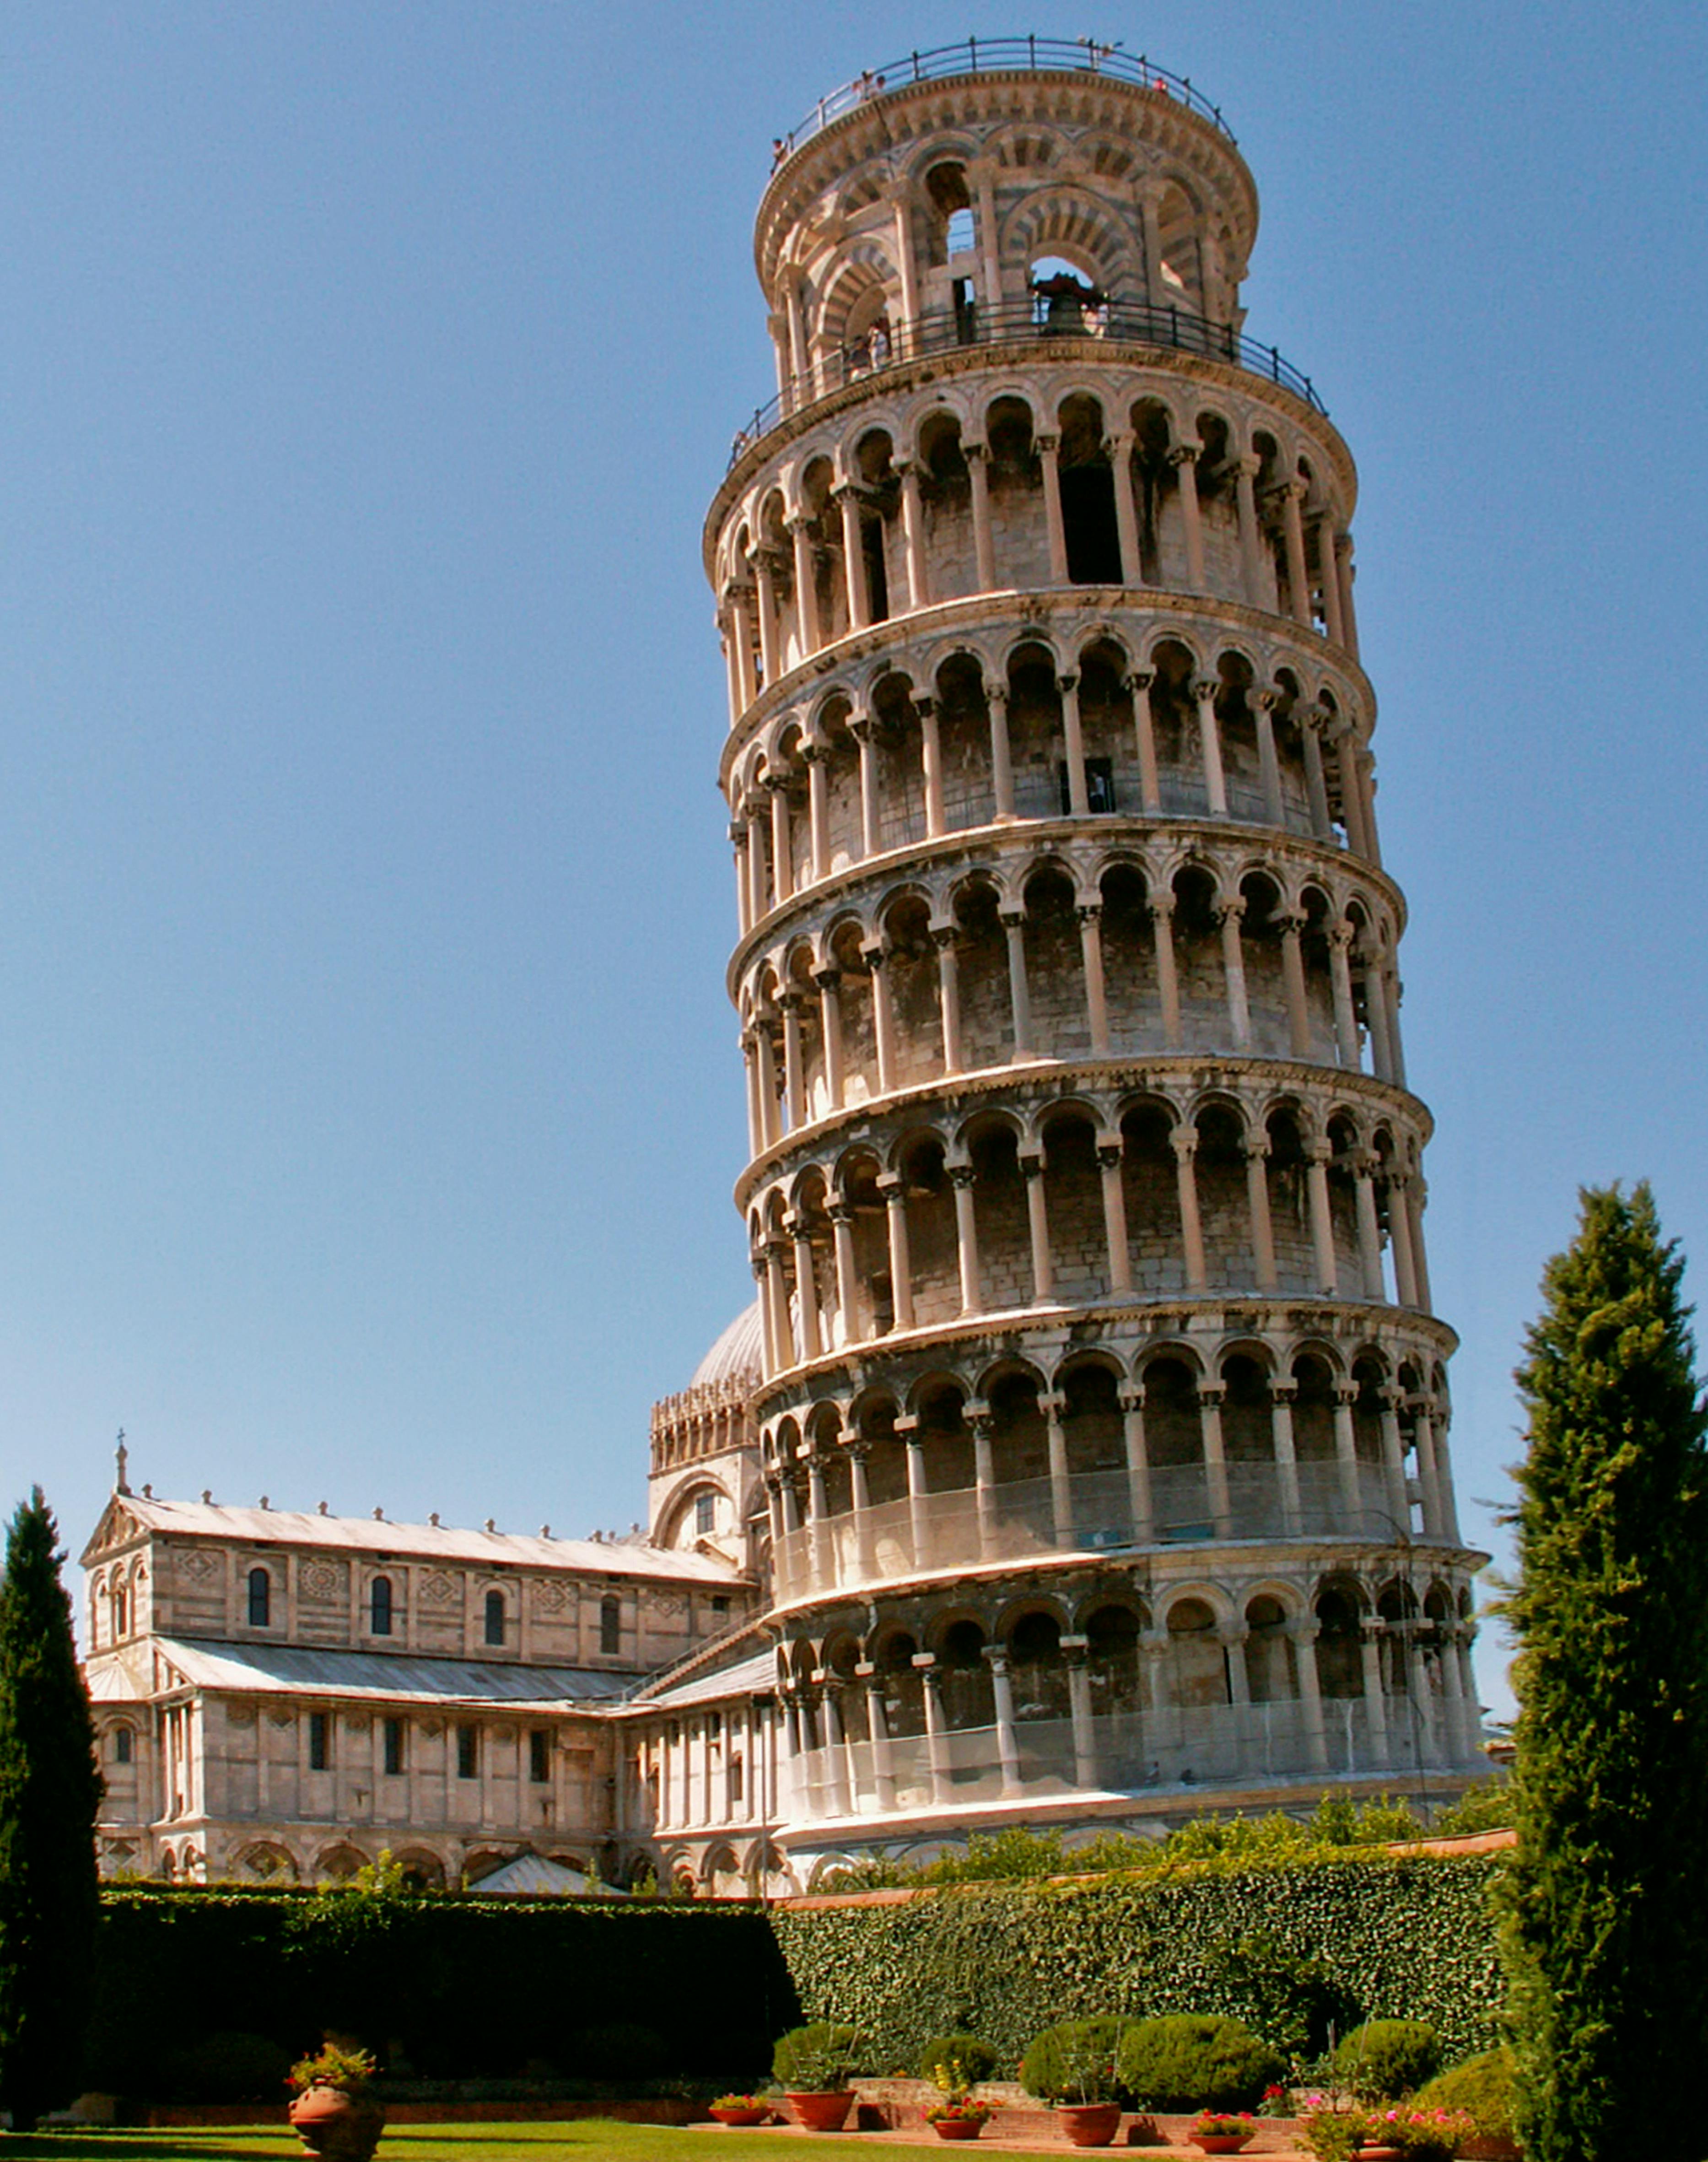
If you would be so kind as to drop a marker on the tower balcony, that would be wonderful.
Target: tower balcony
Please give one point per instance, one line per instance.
(1041, 327)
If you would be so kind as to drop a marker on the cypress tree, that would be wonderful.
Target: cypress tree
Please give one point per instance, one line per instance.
(1604, 1925)
(50, 1791)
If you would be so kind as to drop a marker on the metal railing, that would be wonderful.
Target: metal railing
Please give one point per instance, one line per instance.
(1091, 1511)
(987, 55)
(1043, 316)
(1172, 1746)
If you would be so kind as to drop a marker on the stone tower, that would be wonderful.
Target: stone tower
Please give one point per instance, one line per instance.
(1103, 1413)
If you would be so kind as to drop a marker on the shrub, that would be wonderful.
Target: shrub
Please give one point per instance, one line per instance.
(228, 2066)
(621, 2050)
(1189, 2061)
(1075, 2062)
(816, 2059)
(1481, 2086)
(1385, 2059)
(961, 2059)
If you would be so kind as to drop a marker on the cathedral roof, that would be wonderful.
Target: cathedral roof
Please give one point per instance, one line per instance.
(294, 1670)
(736, 1353)
(128, 1515)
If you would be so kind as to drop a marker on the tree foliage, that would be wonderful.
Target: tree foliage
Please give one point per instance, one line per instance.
(1602, 1929)
(50, 1792)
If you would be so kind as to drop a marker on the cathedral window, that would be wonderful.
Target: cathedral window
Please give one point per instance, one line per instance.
(380, 1606)
(468, 1752)
(609, 1624)
(705, 1513)
(737, 1780)
(495, 1617)
(539, 1756)
(393, 1747)
(260, 1599)
(319, 1741)
(121, 1744)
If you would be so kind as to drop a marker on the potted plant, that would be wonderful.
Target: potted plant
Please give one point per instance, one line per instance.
(959, 2116)
(1073, 2066)
(335, 2111)
(813, 2065)
(1215, 2132)
(742, 2109)
(1412, 2134)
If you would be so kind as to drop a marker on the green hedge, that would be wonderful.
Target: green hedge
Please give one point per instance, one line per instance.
(1396, 1937)
(447, 1988)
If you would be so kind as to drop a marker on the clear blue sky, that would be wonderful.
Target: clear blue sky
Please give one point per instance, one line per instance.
(369, 1102)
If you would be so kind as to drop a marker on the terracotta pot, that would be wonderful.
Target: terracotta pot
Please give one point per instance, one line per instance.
(821, 2113)
(1091, 2123)
(757, 2115)
(339, 2127)
(1222, 2143)
(1379, 2154)
(958, 2127)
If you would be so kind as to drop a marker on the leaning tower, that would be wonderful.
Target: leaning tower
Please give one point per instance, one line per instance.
(1103, 1413)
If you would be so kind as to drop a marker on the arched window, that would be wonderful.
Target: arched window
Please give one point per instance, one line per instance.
(121, 1742)
(495, 1617)
(704, 1512)
(260, 1599)
(380, 1606)
(120, 1610)
(610, 1624)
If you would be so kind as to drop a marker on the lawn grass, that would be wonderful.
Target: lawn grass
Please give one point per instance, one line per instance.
(586, 2139)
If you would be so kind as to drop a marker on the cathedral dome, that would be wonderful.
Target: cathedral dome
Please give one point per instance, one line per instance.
(735, 1355)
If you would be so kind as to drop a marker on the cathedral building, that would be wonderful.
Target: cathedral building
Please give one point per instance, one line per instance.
(1084, 1460)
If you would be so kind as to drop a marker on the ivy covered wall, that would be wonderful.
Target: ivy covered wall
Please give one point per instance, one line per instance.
(1356, 1936)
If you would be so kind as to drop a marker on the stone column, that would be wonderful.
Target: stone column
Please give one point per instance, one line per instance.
(1349, 617)
(818, 1523)
(1051, 1402)
(1110, 1151)
(731, 660)
(806, 1297)
(1293, 976)
(1322, 1229)
(1326, 565)
(758, 892)
(1369, 1230)
(1002, 1696)
(943, 937)
(931, 766)
(1281, 1396)
(1424, 1440)
(756, 1112)
(769, 1359)
(1184, 458)
(1210, 1395)
(829, 982)
(742, 626)
(841, 1216)
(1132, 1397)
(1210, 741)
(777, 1291)
(1292, 539)
(1345, 1394)
(1256, 1150)
(806, 584)
(1048, 447)
(901, 196)
(1079, 1680)
(1394, 1459)
(1120, 449)
(816, 758)
(1375, 1700)
(1038, 1222)
(977, 456)
(864, 730)
(1185, 1142)
(1261, 705)
(847, 502)
(892, 1187)
(1251, 541)
(770, 1116)
(1304, 1633)
(1340, 936)
(738, 842)
(1013, 923)
(1096, 998)
(1002, 764)
(1228, 917)
(1461, 1744)
(961, 1176)
(878, 1720)
(918, 1500)
(913, 535)
(1351, 796)
(1074, 745)
(1415, 1192)
(794, 1088)
(861, 1500)
(983, 1427)
(1233, 1644)
(765, 585)
(1161, 907)
(936, 1732)
(1137, 683)
(1311, 722)
(1399, 1240)
(883, 1016)
(835, 1756)
(1376, 1006)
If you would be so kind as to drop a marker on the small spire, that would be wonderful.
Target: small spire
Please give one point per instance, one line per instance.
(207, 1496)
(265, 1503)
(491, 1524)
(149, 1492)
(323, 1508)
(121, 1464)
(379, 1516)
(434, 1520)
(545, 1531)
